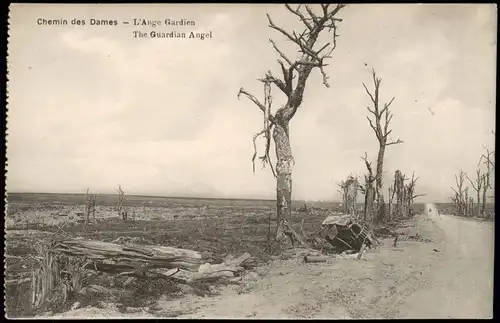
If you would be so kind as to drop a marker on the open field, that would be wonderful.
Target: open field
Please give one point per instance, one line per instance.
(221, 227)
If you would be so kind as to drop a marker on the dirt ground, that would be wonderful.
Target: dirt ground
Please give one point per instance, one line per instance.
(447, 274)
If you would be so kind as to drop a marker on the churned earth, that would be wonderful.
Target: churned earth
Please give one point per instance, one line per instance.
(442, 267)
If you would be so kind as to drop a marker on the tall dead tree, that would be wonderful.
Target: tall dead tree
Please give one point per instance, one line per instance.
(458, 198)
(471, 204)
(368, 190)
(487, 159)
(410, 194)
(349, 191)
(399, 191)
(476, 184)
(391, 199)
(381, 118)
(295, 73)
(466, 210)
(342, 189)
(122, 212)
(488, 156)
(90, 206)
(352, 194)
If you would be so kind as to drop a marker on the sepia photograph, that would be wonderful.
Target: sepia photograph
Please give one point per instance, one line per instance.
(251, 161)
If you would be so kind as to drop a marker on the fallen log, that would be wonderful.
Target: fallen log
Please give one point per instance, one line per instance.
(131, 255)
(315, 259)
(151, 261)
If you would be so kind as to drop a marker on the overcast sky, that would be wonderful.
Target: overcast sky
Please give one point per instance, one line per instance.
(94, 107)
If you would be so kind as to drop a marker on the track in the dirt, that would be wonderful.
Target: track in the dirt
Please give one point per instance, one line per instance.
(461, 284)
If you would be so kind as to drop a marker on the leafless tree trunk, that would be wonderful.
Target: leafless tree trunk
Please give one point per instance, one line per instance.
(368, 190)
(310, 57)
(459, 197)
(399, 189)
(90, 205)
(87, 210)
(122, 212)
(487, 159)
(349, 189)
(353, 188)
(94, 204)
(410, 193)
(380, 124)
(466, 204)
(343, 192)
(391, 199)
(471, 204)
(477, 186)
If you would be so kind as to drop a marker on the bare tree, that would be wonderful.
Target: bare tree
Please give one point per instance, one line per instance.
(381, 118)
(120, 205)
(368, 190)
(342, 189)
(391, 198)
(311, 56)
(87, 210)
(488, 156)
(90, 206)
(410, 192)
(471, 204)
(400, 192)
(477, 186)
(487, 159)
(349, 189)
(459, 193)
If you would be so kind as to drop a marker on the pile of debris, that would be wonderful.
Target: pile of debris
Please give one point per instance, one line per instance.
(346, 233)
(150, 260)
(70, 268)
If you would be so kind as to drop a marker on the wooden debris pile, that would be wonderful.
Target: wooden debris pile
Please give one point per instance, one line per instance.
(345, 233)
(150, 261)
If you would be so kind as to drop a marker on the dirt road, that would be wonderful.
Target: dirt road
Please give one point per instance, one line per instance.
(449, 277)
(462, 280)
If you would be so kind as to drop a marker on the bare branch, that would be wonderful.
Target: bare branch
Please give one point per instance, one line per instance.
(399, 141)
(386, 106)
(367, 164)
(325, 77)
(255, 147)
(279, 83)
(372, 126)
(371, 111)
(282, 54)
(487, 158)
(387, 134)
(300, 15)
(314, 18)
(368, 92)
(388, 118)
(322, 48)
(256, 101)
(281, 30)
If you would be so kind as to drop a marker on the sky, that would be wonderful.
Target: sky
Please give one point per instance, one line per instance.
(94, 107)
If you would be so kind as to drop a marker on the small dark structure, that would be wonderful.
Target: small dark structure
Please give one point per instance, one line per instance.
(345, 233)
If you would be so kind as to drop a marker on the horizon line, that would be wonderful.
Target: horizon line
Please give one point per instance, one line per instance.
(201, 197)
